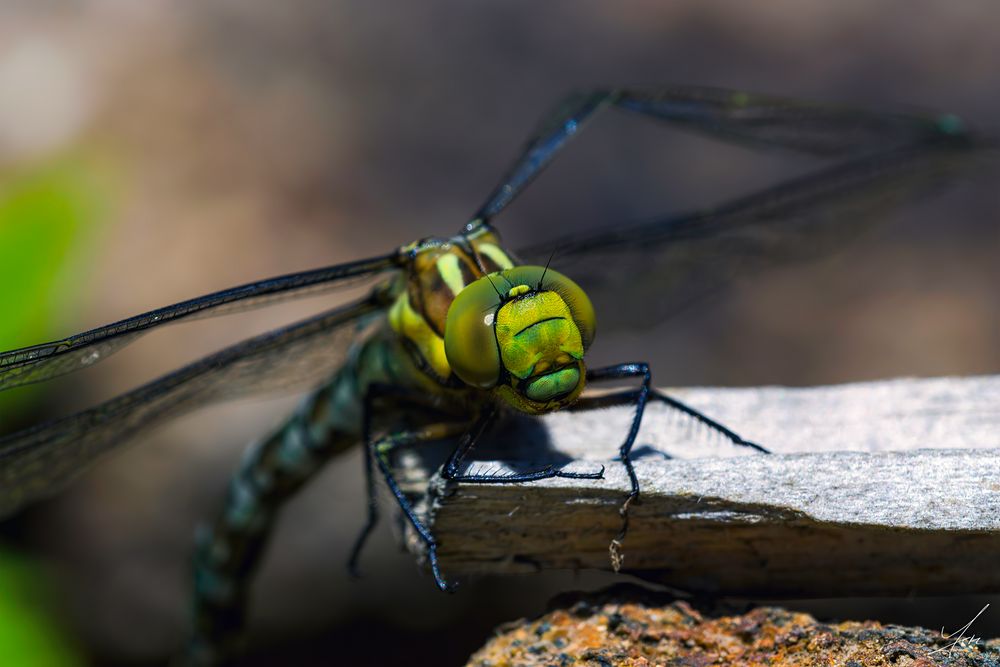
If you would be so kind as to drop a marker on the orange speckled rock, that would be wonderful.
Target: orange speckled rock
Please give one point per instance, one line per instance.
(625, 626)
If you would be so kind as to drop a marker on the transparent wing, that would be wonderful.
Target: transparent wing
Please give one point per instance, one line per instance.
(49, 360)
(37, 461)
(644, 273)
(755, 120)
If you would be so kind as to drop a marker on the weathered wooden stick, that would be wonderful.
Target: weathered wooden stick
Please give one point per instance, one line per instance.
(880, 488)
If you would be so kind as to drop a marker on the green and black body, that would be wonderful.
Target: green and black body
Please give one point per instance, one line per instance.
(456, 331)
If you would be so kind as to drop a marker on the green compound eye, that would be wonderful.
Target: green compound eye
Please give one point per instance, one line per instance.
(470, 339)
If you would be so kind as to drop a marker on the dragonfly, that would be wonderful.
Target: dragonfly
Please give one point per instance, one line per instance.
(456, 332)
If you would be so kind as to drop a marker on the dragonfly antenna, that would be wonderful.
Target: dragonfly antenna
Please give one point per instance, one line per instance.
(493, 285)
(546, 269)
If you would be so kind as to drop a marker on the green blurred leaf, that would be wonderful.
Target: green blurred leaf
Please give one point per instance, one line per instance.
(29, 637)
(47, 216)
(43, 217)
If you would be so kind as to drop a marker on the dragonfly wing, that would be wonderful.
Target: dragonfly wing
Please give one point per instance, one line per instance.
(651, 271)
(37, 461)
(759, 121)
(825, 130)
(49, 360)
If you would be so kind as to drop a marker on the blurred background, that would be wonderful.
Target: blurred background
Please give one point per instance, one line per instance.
(151, 152)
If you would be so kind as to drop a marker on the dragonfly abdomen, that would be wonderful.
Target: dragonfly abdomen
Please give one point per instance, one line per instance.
(271, 472)
(326, 423)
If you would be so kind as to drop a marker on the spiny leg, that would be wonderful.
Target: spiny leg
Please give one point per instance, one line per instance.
(451, 467)
(404, 397)
(708, 421)
(379, 451)
(629, 397)
(228, 553)
(639, 398)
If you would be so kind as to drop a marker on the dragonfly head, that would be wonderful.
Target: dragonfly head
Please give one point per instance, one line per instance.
(522, 333)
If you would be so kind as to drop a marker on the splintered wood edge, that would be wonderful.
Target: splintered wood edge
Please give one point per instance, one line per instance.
(914, 508)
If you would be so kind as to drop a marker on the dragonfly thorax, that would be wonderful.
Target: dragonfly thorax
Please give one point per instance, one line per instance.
(439, 269)
(522, 333)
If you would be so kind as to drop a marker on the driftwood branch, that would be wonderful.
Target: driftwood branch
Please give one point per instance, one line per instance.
(883, 488)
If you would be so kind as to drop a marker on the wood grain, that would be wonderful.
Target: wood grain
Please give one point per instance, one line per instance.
(879, 488)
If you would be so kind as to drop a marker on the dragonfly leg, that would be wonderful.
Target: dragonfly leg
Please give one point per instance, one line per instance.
(630, 397)
(639, 398)
(379, 451)
(707, 421)
(451, 467)
(402, 397)
(229, 551)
